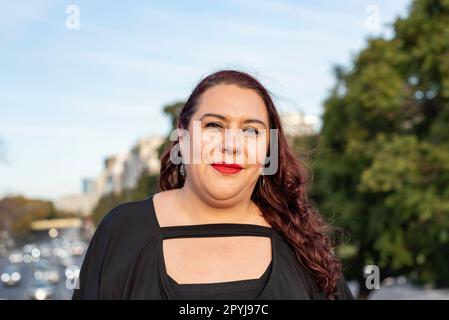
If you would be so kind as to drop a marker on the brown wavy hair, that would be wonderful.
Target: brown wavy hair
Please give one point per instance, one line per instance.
(282, 198)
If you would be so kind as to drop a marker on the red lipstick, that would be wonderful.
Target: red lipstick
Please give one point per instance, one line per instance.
(227, 168)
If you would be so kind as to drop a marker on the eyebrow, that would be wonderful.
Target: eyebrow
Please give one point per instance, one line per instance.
(222, 117)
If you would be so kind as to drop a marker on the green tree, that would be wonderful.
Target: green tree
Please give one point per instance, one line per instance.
(172, 112)
(383, 171)
(17, 213)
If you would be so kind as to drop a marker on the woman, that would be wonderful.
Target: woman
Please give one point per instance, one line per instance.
(227, 224)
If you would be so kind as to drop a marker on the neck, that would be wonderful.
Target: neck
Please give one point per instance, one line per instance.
(202, 211)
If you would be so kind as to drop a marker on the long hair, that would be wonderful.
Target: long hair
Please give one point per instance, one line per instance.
(282, 198)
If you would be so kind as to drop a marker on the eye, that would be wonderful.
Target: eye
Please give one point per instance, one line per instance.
(214, 125)
(250, 131)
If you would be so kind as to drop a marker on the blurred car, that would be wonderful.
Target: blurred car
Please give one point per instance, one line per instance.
(28, 248)
(46, 251)
(28, 258)
(40, 290)
(58, 252)
(15, 257)
(66, 261)
(77, 248)
(10, 276)
(46, 272)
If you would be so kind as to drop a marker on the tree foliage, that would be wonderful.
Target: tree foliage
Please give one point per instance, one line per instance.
(383, 171)
(17, 213)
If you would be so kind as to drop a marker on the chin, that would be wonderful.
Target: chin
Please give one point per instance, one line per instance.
(224, 191)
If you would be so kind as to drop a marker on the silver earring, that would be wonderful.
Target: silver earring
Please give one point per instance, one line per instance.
(182, 170)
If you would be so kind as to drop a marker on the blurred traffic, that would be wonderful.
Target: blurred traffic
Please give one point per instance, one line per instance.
(46, 268)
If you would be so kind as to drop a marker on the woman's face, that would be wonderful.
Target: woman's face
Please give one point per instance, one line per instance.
(229, 137)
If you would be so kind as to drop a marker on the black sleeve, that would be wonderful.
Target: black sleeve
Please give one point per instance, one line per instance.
(343, 291)
(113, 250)
(89, 282)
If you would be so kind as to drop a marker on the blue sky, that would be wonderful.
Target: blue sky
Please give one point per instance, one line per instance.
(69, 98)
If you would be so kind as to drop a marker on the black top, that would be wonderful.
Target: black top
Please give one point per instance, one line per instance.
(125, 261)
(230, 290)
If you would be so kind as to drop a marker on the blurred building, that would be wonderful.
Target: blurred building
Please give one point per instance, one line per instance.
(120, 172)
(88, 186)
(143, 157)
(110, 179)
(295, 123)
(81, 204)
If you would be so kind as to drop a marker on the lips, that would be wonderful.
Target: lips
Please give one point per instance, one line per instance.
(227, 168)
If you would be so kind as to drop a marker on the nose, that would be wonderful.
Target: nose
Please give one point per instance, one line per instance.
(233, 143)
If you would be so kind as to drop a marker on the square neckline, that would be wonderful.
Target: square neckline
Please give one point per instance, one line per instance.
(191, 227)
(223, 285)
(212, 230)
